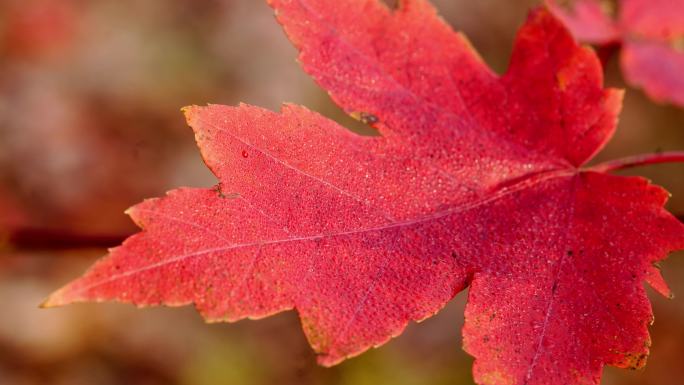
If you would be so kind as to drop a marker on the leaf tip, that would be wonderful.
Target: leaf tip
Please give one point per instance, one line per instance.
(56, 299)
(189, 112)
(655, 279)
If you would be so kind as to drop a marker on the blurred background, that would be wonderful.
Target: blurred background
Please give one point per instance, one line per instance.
(90, 124)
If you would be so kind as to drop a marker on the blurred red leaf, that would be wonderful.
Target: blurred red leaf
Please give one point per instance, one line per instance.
(476, 180)
(651, 33)
(37, 28)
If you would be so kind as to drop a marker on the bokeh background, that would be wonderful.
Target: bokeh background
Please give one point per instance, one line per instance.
(90, 92)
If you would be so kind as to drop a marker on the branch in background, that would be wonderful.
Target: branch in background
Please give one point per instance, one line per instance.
(28, 238)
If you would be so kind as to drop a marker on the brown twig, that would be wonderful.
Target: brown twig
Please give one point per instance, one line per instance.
(29, 238)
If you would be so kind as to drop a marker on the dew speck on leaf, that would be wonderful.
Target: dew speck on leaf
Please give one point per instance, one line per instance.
(365, 117)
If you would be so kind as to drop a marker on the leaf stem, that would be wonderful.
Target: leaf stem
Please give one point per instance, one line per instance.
(639, 160)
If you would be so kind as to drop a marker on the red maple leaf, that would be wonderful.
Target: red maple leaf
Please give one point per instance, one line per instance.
(651, 33)
(477, 180)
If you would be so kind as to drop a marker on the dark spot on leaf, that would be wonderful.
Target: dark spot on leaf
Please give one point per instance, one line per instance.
(217, 190)
(636, 361)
